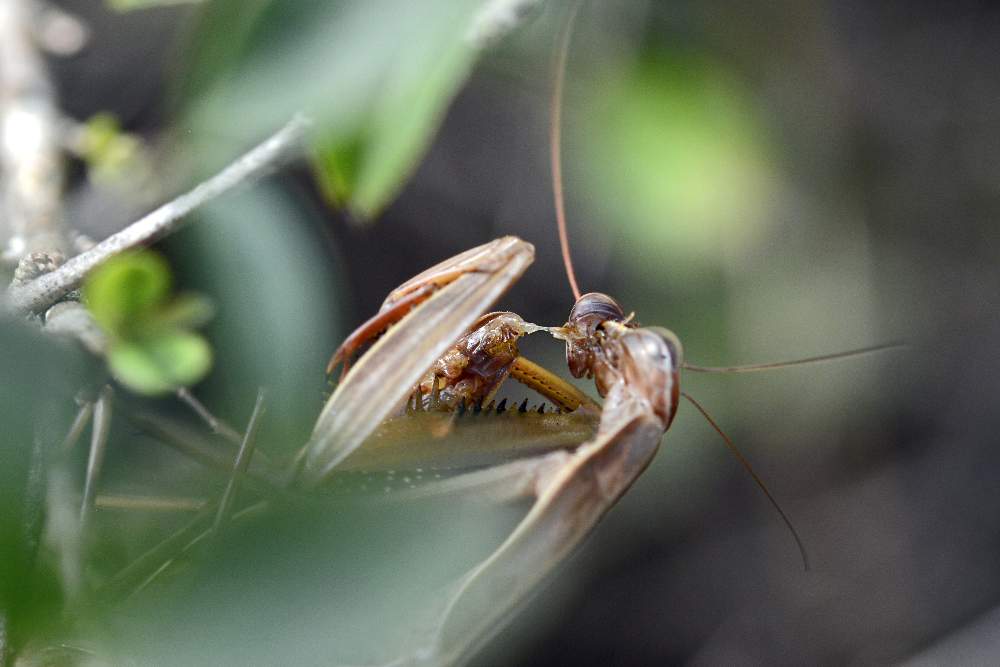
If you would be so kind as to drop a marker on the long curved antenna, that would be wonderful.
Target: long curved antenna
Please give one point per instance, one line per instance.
(746, 465)
(555, 142)
(753, 368)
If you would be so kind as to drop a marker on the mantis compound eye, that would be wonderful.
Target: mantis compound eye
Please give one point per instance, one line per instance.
(592, 310)
(650, 360)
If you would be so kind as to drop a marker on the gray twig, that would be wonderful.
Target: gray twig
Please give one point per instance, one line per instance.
(240, 465)
(76, 428)
(98, 446)
(155, 559)
(49, 288)
(153, 563)
(218, 426)
(192, 445)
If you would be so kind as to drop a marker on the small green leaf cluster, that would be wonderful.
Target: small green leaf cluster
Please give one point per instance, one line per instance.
(152, 348)
(112, 155)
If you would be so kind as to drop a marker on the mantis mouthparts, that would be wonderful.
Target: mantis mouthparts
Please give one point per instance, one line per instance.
(530, 328)
(559, 333)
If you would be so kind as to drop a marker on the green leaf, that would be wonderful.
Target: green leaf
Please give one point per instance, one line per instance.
(376, 77)
(113, 157)
(40, 377)
(123, 293)
(107, 150)
(367, 167)
(336, 166)
(161, 364)
(100, 132)
(187, 311)
(150, 349)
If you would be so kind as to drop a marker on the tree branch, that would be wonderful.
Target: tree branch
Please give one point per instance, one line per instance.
(49, 288)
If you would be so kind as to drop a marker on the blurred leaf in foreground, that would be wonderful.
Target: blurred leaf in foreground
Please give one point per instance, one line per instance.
(258, 254)
(40, 377)
(373, 160)
(376, 76)
(152, 350)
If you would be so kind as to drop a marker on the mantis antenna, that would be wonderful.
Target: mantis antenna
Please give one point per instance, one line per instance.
(555, 142)
(555, 146)
(753, 368)
(760, 483)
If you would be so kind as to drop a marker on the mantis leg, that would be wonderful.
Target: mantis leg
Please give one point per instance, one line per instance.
(546, 383)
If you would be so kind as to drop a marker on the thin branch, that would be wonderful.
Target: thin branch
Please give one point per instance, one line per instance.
(143, 570)
(217, 426)
(153, 560)
(193, 446)
(76, 428)
(49, 288)
(98, 446)
(240, 466)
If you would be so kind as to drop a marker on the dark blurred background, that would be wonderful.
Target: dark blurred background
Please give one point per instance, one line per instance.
(769, 180)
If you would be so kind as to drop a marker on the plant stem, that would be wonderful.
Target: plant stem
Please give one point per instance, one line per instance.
(45, 290)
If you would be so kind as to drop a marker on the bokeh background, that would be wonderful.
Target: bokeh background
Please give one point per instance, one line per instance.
(769, 180)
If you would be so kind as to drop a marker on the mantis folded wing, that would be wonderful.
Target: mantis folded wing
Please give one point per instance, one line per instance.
(381, 381)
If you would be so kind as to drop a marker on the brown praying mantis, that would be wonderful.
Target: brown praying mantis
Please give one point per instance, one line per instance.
(434, 350)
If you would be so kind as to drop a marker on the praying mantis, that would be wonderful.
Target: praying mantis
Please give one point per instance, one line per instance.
(433, 349)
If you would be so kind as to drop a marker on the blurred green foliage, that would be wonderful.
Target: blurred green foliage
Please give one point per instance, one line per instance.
(40, 378)
(151, 348)
(257, 256)
(112, 155)
(673, 147)
(307, 583)
(377, 95)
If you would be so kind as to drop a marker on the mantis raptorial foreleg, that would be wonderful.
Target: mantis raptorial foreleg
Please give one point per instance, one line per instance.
(437, 338)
